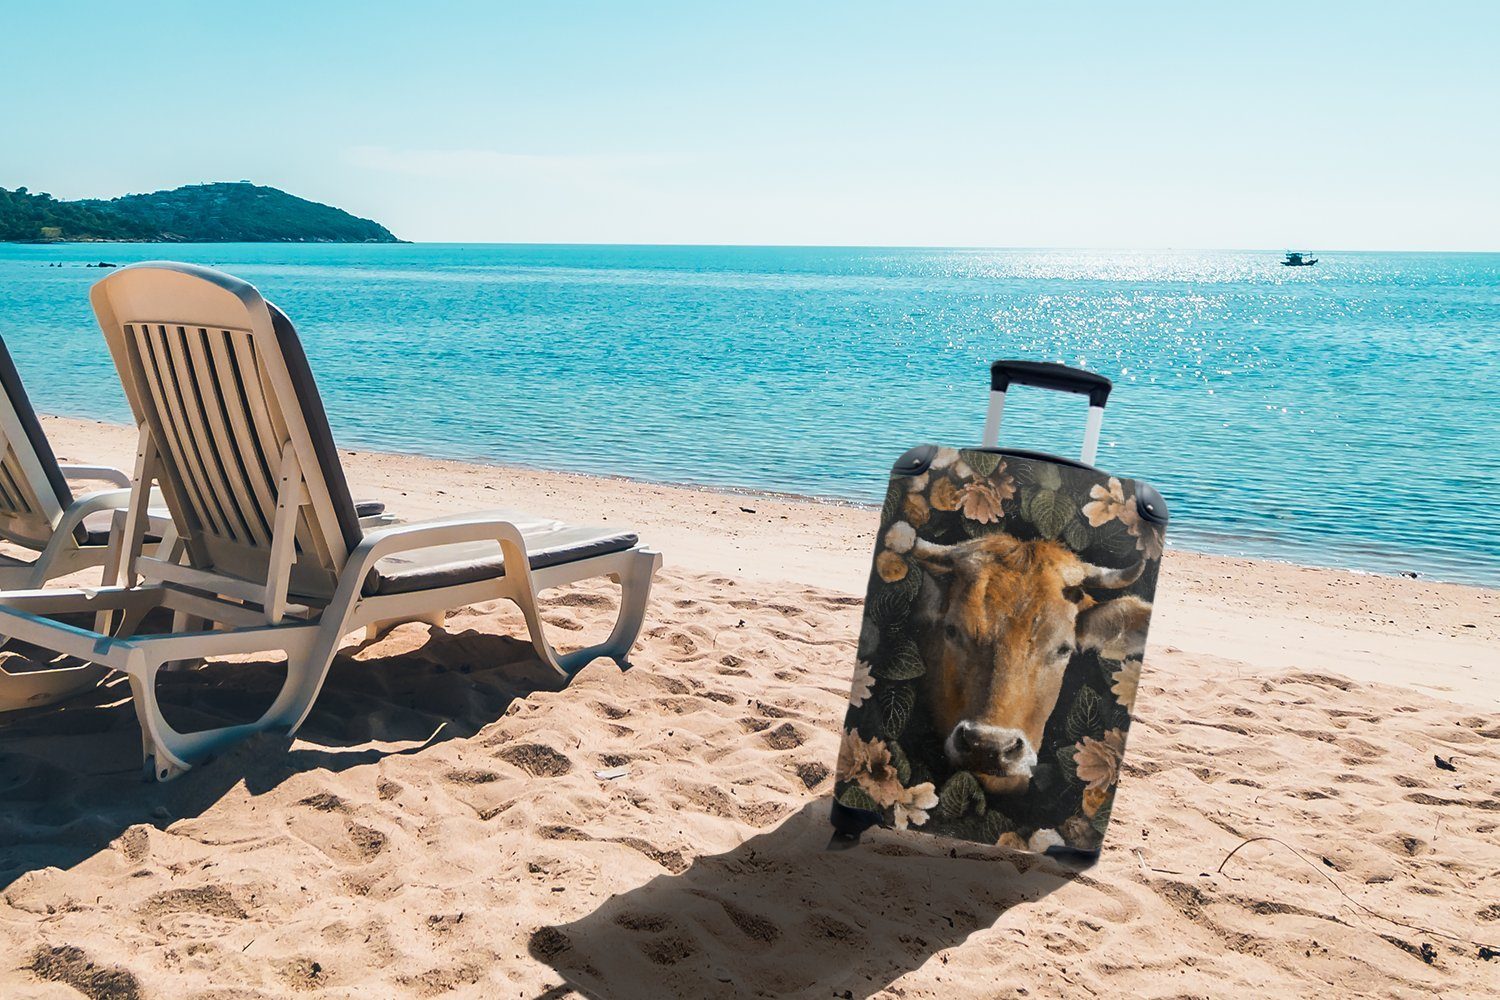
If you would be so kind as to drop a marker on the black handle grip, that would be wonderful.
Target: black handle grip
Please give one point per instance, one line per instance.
(1048, 375)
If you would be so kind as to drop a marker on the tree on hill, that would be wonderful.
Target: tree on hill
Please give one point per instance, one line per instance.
(200, 213)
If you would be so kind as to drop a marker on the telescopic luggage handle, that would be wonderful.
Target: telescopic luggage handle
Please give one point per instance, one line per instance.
(1047, 375)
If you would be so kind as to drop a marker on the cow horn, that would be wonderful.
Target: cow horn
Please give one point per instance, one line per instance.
(1104, 578)
(923, 549)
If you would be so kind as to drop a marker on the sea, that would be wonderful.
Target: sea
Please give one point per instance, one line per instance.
(1345, 414)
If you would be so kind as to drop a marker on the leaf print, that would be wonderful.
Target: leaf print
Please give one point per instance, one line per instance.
(902, 662)
(995, 825)
(1050, 511)
(895, 496)
(1076, 535)
(960, 793)
(1043, 475)
(985, 463)
(899, 761)
(892, 605)
(1100, 820)
(1066, 762)
(896, 702)
(1085, 715)
(857, 798)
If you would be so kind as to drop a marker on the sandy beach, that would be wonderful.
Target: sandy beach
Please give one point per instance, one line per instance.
(1311, 804)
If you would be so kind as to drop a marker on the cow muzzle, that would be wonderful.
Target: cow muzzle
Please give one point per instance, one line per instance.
(1001, 758)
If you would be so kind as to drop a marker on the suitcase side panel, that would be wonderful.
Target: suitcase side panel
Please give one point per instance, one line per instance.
(1001, 647)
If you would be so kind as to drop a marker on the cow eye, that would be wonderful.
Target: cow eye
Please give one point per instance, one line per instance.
(951, 631)
(1065, 650)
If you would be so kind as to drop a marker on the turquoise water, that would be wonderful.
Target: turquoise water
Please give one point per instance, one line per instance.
(1338, 415)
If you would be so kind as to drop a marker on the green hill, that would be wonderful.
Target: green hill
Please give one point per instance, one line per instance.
(199, 213)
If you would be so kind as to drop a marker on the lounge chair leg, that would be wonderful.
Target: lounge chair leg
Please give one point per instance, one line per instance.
(635, 593)
(167, 753)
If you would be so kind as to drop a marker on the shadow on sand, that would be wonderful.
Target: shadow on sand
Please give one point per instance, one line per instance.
(780, 915)
(70, 774)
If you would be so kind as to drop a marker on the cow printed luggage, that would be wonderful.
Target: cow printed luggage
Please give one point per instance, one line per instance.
(1002, 639)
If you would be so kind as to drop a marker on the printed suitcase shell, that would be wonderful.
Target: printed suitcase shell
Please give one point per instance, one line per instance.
(1000, 651)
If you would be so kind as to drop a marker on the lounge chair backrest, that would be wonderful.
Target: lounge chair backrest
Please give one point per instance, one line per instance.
(217, 377)
(33, 490)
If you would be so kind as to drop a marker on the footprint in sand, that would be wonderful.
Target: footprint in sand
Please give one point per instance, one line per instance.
(135, 843)
(71, 966)
(303, 974)
(583, 599)
(324, 802)
(672, 861)
(784, 737)
(646, 923)
(365, 842)
(536, 759)
(754, 927)
(812, 773)
(563, 620)
(204, 911)
(667, 945)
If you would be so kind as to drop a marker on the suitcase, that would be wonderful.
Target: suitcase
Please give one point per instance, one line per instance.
(1002, 640)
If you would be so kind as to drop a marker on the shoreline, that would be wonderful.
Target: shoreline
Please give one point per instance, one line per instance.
(1243, 612)
(777, 496)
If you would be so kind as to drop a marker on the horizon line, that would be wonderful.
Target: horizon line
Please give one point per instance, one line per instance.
(745, 246)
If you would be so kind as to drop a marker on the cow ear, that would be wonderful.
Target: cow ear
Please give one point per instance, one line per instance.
(1080, 597)
(1116, 630)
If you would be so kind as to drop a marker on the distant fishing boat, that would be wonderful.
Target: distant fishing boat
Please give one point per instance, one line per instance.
(1298, 259)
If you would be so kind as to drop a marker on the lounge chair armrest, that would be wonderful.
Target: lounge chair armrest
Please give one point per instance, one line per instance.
(92, 503)
(101, 473)
(403, 537)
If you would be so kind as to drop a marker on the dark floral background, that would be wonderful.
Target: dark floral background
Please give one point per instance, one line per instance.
(891, 760)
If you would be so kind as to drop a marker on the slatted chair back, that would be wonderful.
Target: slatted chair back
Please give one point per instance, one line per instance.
(233, 429)
(33, 491)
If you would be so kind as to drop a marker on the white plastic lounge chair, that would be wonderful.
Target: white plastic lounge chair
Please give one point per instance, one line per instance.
(39, 514)
(38, 511)
(232, 428)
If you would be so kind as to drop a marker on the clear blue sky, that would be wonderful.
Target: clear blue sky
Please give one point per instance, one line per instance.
(1248, 124)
